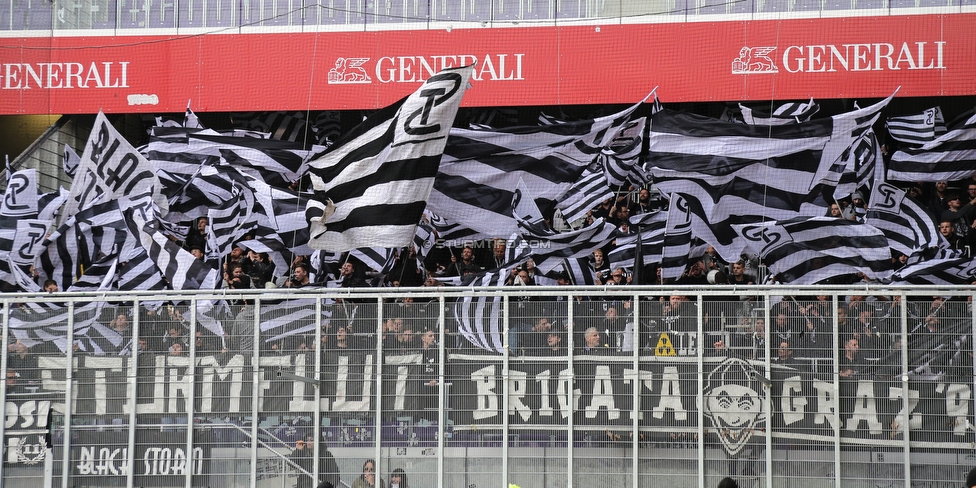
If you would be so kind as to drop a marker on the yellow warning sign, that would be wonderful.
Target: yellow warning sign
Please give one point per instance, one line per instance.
(664, 346)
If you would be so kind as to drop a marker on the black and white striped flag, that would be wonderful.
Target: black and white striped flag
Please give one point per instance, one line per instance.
(376, 259)
(621, 159)
(950, 157)
(651, 226)
(937, 267)
(909, 227)
(280, 319)
(788, 113)
(111, 168)
(551, 248)
(137, 271)
(380, 175)
(586, 193)
(735, 174)
(481, 168)
(917, 129)
(814, 250)
(478, 316)
(182, 270)
(424, 239)
(580, 271)
(70, 161)
(677, 239)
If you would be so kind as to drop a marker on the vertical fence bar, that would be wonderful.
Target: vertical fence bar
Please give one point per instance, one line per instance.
(700, 317)
(836, 396)
(255, 389)
(378, 421)
(570, 424)
(133, 395)
(505, 390)
(635, 409)
(191, 373)
(768, 397)
(68, 392)
(906, 422)
(3, 391)
(317, 391)
(441, 388)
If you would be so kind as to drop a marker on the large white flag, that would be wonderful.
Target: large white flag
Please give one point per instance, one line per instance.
(110, 168)
(380, 176)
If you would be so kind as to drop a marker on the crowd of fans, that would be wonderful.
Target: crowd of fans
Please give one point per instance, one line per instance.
(800, 333)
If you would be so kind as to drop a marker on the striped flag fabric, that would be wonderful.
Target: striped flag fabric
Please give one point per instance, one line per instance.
(585, 194)
(379, 176)
(480, 169)
(950, 157)
(111, 168)
(936, 267)
(580, 271)
(552, 248)
(377, 259)
(478, 315)
(621, 159)
(917, 129)
(286, 318)
(859, 167)
(652, 227)
(182, 270)
(100, 275)
(424, 239)
(909, 227)
(227, 223)
(450, 231)
(677, 239)
(788, 113)
(816, 250)
(736, 174)
(137, 271)
(70, 160)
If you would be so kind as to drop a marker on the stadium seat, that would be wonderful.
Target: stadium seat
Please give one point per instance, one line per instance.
(872, 4)
(837, 5)
(223, 13)
(741, 6)
(806, 5)
(40, 16)
(446, 11)
(775, 5)
(569, 9)
(190, 14)
(477, 11)
(278, 14)
(163, 14)
(5, 14)
(706, 7)
(505, 10)
(104, 16)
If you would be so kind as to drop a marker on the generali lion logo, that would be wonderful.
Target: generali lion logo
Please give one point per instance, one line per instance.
(349, 71)
(754, 60)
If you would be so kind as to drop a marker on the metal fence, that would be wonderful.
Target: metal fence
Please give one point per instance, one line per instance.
(534, 386)
(256, 15)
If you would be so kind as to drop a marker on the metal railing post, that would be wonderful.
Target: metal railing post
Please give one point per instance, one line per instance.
(133, 395)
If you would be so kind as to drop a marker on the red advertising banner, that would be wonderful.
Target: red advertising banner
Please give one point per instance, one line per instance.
(823, 58)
